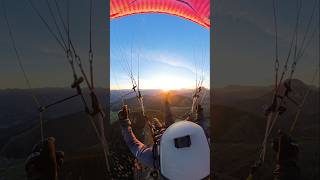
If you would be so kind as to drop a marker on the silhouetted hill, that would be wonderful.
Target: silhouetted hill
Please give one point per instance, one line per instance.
(230, 124)
(19, 113)
(258, 104)
(234, 93)
(7, 133)
(238, 129)
(233, 121)
(72, 133)
(17, 105)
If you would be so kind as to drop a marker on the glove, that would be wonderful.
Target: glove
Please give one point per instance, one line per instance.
(123, 116)
(40, 163)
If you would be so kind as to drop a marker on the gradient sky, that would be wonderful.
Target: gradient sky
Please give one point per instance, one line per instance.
(43, 59)
(244, 41)
(171, 51)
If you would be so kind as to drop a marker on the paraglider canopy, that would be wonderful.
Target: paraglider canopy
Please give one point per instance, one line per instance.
(197, 11)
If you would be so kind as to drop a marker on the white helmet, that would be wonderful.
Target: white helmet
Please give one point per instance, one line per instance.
(184, 152)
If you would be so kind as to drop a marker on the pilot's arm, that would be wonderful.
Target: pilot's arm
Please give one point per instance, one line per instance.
(143, 153)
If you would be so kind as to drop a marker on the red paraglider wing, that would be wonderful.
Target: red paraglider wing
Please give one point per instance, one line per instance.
(197, 11)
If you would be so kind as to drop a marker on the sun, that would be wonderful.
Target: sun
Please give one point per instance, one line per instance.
(166, 88)
(169, 83)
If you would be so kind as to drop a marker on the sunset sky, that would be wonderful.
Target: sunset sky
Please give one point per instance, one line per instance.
(172, 52)
(243, 45)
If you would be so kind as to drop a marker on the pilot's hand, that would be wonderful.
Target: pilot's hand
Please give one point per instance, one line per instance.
(123, 116)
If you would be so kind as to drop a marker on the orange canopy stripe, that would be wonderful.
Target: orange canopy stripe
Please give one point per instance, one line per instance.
(197, 11)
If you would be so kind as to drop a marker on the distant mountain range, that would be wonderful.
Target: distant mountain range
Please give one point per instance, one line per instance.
(238, 119)
(238, 125)
(72, 132)
(18, 107)
(239, 112)
(17, 140)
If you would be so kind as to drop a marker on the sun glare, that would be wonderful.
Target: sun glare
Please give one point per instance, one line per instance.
(166, 89)
(162, 82)
(166, 83)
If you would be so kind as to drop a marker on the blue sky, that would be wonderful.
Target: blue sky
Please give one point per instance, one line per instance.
(171, 51)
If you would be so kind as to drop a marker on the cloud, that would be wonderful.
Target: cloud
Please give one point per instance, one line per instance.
(164, 57)
(167, 58)
(170, 59)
